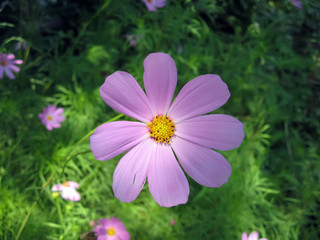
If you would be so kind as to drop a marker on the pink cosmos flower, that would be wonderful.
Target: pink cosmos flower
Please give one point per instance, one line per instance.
(51, 117)
(68, 190)
(111, 229)
(7, 65)
(252, 236)
(166, 131)
(152, 5)
(296, 3)
(173, 222)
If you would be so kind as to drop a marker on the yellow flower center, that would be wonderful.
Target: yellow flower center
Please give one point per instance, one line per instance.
(4, 63)
(111, 231)
(65, 184)
(150, 1)
(49, 118)
(161, 129)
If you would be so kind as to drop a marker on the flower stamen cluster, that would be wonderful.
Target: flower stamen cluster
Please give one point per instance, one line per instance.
(111, 231)
(161, 128)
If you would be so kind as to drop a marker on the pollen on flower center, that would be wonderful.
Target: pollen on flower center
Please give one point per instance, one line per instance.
(4, 63)
(161, 128)
(111, 231)
(49, 117)
(65, 184)
(150, 1)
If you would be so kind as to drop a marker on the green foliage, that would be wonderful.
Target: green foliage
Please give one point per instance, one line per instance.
(266, 51)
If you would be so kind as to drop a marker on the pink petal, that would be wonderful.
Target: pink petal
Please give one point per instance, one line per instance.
(160, 80)
(70, 194)
(57, 115)
(103, 221)
(73, 184)
(199, 96)
(253, 236)
(51, 109)
(60, 118)
(9, 73)
(160, 3)
(123, 235)
(111, 139)
(10, 56)
(167, 183)
(218, 131)
(3, 56)
(75, 197)
(244, 236)
(151, 7)
(116, 224)
(58, 111)
(131, 172)
(55, 124)
(57, 187)
(49, 126)
(45, 111)
(14, 68)
(18, 61)
(122, 93)
(204, 165)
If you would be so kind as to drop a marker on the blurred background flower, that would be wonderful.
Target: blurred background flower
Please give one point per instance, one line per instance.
(21, 45)
(68, 190)
(153, 5)
(111, 229)
(51, 117)
(8, 64)
(133, 40)
(252, 236)
(296, 3)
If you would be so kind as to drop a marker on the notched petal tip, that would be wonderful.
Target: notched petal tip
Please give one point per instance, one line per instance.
(160, 80)
(122, 92)
(167, 183)
(201, 95)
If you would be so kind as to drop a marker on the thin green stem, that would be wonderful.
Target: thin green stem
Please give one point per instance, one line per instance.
(59, 211)
(72, 157)
(53, 174)
(100, 10)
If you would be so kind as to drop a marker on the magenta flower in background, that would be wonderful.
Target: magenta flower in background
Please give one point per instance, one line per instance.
(68, 190)
(133, 40)
(8, 64)
(111, 229)
(152, 5)
(51, 117)
(173, 222)
(20, 45)
(165, 130)
(252, 236)
(296, 3)
(92, 223)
